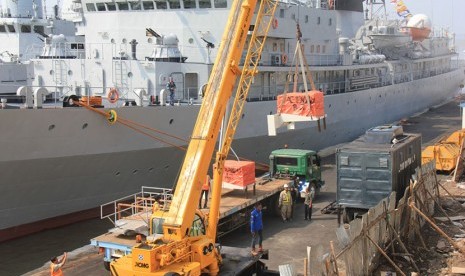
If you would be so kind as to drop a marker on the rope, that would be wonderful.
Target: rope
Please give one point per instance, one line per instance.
(128, 123)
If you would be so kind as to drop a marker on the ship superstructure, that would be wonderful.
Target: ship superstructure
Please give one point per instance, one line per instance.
(22, 25)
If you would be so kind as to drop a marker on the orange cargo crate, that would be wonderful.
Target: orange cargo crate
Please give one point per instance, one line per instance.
(239, 173)
(296, 103)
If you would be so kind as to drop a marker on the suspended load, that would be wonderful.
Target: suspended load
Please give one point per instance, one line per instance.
(238, 174)
(296, 106)
(303, 104)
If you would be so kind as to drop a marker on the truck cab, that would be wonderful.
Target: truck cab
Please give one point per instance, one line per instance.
(292, 163)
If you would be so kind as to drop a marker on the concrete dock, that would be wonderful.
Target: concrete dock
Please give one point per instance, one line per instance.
(287, 242)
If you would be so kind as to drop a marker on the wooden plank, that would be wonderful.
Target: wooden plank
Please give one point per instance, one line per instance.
(235, 200)
(458, 270)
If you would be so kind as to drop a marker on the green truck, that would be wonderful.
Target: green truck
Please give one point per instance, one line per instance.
(292, 163)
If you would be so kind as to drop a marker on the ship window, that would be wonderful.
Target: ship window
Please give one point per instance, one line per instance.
(77, 46)
(174, 4)
(25, 28)
(318, 20)
(135, 6)
(148, 5)
(220, 3)
(39, 29)
(324, 49)
(306, 19)
(11, 28)
(189, 4)
(312, 49)
(90, 7)
(281, 13)
(318, 49)
(101, 7)
(161, 5)
(111, 6)
(205, 4)
(2, 29)
(123, 6)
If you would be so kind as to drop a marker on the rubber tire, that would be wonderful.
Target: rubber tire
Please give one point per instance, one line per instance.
(106, 265)
(172, 274)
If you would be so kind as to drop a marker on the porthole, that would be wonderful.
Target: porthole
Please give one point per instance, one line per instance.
(70, 73)
(50, 127)
(85, 125)
(171, 121)
(52, 72)
(191, 40)
(130, 75)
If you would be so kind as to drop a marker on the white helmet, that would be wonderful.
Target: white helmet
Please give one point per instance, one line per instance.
(286, 186)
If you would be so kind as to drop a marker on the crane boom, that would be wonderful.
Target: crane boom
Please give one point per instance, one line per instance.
(257, 42)
(178, 250)
(206, 129)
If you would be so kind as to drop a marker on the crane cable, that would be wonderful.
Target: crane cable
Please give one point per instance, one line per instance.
(128, 123)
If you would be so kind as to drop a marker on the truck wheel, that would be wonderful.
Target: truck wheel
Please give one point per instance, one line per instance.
(106, 265)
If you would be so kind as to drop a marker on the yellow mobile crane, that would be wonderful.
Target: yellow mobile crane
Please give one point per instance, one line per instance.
(183, 250)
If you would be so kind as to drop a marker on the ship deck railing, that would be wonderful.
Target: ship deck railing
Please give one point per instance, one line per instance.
(136, 206)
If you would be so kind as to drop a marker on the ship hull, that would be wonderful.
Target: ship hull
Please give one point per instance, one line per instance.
(77, 161)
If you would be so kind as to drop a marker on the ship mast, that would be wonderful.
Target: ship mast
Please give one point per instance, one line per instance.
(374, 8)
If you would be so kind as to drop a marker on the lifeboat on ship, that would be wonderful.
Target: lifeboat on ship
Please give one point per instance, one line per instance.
(419, 26)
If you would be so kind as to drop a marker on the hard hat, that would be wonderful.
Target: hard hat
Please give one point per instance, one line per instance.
(286, 186)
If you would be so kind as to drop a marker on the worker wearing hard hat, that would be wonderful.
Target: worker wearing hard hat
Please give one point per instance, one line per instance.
(56, 265)
(285, 203)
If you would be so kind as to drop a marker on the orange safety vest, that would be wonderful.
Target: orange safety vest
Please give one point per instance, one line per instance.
(59, 272)
(206, 185)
